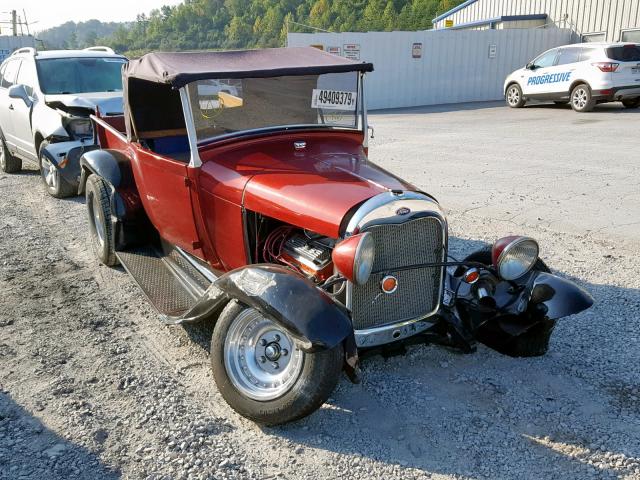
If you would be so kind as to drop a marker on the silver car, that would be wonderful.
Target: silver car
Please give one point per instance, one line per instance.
(46, 98)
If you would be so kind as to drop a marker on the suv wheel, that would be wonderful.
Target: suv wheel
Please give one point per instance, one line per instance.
(55, 184)
(99, 209)
(631, 103)
(581, 98)
(514, 96)
(262, 374)
(8, 162)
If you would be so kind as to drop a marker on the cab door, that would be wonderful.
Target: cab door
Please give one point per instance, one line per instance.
(164, 187)
(535, 76)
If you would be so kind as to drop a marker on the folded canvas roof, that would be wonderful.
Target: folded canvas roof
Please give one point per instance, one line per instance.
(179, 68)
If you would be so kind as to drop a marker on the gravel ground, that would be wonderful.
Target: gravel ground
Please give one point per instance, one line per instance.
(92, 386)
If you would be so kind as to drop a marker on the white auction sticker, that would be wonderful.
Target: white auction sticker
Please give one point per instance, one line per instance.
(333, 99)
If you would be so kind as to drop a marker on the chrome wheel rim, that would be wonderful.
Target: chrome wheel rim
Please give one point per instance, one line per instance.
(97, 219)
(261, 359)
(580, 98)
(49, 173)
(3, 161)
(513, 96)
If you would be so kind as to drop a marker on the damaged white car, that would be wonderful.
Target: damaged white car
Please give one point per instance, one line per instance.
(46, 98)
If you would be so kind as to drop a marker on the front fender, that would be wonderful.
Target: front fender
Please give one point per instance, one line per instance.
(65, 156)
(104, 163)
(291, 300)
(558, 296)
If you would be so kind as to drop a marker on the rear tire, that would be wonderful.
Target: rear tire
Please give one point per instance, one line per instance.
(632, 103)
(53, 181)
(99, 210)
(533, 342)
(581, 98)
(275, 390)
(514, 97)
(8, 162)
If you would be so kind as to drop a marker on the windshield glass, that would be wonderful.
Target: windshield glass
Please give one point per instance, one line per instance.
(80, 75)
(222, 107)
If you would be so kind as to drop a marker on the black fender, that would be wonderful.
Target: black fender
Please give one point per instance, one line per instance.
(107, 164)
(131, 225)
(293, 301)
(557, 297)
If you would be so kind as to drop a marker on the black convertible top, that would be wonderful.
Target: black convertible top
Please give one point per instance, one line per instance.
(179, 68)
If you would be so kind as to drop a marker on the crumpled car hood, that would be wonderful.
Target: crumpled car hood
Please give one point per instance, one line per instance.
(107, 102)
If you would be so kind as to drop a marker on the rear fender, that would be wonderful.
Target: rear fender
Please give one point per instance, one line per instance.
(114, 167)
(306, 312)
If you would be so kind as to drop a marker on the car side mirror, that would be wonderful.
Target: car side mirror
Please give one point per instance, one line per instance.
(19, 91)
(530, 66)
(372, 130)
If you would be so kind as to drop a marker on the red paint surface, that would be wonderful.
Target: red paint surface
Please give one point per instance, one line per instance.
(165, 196)
(312, 189)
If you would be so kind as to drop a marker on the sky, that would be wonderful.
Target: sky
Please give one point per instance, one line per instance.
(50, 13)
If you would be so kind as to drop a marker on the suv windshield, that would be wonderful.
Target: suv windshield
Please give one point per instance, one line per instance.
(223, 107)
(80, 75)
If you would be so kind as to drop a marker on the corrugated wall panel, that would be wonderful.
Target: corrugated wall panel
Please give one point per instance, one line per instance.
(583, 16)
(455, 65)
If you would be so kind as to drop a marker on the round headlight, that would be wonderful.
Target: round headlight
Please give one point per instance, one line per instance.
(513, 257)
(353, 257)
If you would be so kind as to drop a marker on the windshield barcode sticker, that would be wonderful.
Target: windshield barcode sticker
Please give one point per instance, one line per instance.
(333, 99)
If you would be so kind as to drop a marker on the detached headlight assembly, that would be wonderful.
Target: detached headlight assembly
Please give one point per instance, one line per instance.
(353, 257)
(514, 256)
(80, 128)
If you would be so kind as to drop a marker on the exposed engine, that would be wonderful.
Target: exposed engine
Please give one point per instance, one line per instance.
(301, 250)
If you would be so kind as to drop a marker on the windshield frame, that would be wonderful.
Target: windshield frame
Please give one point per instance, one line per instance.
(38, 61)
(195, 161)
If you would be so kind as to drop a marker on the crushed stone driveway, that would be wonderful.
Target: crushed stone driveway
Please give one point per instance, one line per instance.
(92, 386)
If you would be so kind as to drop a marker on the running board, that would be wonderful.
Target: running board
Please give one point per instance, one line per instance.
(173, 282)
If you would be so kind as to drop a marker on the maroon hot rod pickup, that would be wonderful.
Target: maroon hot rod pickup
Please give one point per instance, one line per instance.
(237, 189)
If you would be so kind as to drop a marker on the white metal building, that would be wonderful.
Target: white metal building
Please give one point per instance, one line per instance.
(590, 20)
(434, 67)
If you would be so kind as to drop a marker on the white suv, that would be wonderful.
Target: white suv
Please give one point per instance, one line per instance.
(45, 102)
(583, 74)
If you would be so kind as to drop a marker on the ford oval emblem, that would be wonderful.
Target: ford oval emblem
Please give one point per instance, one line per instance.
(403, 211)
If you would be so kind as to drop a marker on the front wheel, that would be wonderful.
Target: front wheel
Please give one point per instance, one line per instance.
(533, 342)
(631, 103)
(262, 374)
(514, 96)
(53, 181)
(581, 98)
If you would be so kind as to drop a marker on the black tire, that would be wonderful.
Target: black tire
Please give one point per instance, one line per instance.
(99, 210)
(532, 343)
(8, 162)
(581, 98)
(631, 103)
(53, 181)
(318, 377)
(513, 96)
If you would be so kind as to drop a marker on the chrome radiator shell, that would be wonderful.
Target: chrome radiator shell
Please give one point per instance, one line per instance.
(408, 228)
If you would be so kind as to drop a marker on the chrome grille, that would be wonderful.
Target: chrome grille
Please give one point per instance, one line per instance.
(398, 245)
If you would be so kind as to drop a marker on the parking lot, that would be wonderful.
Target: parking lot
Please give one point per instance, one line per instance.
(92, 386)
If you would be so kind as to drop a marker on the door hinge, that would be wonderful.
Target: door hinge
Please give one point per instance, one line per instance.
(187, 182)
